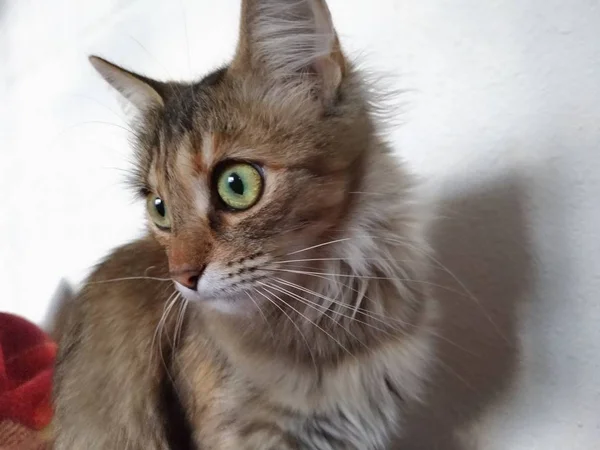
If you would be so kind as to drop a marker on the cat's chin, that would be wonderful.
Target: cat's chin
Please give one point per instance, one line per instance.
(233, 304)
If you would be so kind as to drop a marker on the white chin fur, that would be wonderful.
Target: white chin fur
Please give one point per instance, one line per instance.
(224, 305)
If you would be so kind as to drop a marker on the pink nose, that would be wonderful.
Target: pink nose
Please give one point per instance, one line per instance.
(188, 277)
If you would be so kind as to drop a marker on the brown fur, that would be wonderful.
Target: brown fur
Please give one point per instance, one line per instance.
(279, 372)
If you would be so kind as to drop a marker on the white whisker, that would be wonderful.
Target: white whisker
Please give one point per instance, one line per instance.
(318, 245)
(261, 313)
(180, 319)
(286, 261)
(385, 320)
(317, 305)
(169, 304)
(129, 278)
(265, 286)
(312, 356)
(367, 277)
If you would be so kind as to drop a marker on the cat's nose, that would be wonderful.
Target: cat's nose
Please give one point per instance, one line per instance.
(188, 277)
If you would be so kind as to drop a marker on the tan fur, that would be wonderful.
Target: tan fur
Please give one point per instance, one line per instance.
(310, 326)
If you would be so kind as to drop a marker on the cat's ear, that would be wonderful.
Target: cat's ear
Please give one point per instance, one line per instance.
(141, 92)
(284, 38)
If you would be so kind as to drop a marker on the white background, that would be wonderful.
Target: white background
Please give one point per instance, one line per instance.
(501, 119)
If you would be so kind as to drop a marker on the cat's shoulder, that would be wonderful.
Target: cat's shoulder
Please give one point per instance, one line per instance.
(125, 293)
(132, 274)
(143, 257)
(109, 347)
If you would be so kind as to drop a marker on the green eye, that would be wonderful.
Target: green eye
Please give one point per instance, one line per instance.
(158, 212)
(239, 185)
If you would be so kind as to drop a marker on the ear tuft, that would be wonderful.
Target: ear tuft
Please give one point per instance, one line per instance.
(283, 38)
(140, 91)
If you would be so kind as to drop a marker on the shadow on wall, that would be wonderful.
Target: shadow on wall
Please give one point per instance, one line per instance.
(481, 239)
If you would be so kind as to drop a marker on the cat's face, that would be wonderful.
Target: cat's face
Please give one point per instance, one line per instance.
(251, 170)
(242, 187)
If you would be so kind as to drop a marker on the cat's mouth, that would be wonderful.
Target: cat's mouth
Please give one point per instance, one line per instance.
(225, 292)
(242, 285)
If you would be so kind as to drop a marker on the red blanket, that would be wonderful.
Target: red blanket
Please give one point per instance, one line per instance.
(26, 364)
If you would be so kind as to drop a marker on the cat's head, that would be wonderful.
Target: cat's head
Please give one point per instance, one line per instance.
(251, 169)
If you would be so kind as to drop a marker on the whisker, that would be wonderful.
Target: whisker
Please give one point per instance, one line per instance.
(286, 261)
(358, 292)
(179, 323)
(160, 325)
(453, 372)
(443, 267)
(312, 356)
(375, 316)
(261, 313)
(174, 302)
(367, 193)
(187, 43)
(317, 305)
(362, 310)
(149, 54)
(396, 240)
(318, 245)
(306, 318)
(316, 294)
(129, 278)
(319, 308)
(101, 122)
(367, 277)
(177, 90)
(107, 108)
(56, 138)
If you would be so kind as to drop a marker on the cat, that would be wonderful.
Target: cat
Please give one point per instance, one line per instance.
(278, 299)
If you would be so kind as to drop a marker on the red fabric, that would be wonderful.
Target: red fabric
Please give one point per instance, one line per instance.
(26, 364)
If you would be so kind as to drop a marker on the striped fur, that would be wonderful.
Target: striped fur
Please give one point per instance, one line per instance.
(310, 327)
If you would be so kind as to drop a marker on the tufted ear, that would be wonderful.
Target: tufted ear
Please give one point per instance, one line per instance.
(141, 92)
(283, 38)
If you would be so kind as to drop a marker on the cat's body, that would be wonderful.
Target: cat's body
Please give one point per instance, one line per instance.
(118, 367)
(306, 319)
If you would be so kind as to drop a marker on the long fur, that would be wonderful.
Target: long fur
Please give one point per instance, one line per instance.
(310, 324)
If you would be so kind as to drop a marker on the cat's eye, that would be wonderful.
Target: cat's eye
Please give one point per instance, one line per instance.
(157, 209)
(239, 185)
